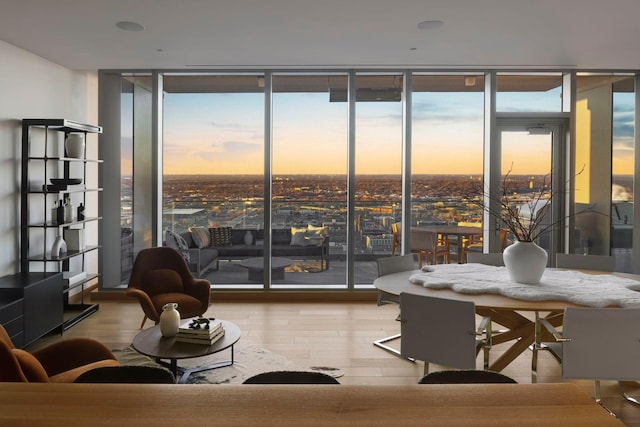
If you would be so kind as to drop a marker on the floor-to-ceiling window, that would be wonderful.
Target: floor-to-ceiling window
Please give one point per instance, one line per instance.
(213, 159)
(309, 178)
(604, 157)
(378, 168)
(228, 140)
(135, 155)
(447, 157)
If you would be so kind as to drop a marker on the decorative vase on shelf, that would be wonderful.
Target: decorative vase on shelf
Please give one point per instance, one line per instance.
(525, 262)
(59, 247)
(169, 320)
(248, 238)
(74, 145)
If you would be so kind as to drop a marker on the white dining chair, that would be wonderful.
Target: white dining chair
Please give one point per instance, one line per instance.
(486, 259)
(587, 348)
(390, 265)
(585, 262)
(443, 331)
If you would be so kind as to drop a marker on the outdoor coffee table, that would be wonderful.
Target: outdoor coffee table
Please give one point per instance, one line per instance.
(150, 342)
(255, 266)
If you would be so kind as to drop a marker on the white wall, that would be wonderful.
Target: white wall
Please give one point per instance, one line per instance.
(32, 87)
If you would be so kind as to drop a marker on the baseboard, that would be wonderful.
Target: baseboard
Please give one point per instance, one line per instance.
(263, 296)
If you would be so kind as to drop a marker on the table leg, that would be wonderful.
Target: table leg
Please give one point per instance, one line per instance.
(519, 329)
(182, 374)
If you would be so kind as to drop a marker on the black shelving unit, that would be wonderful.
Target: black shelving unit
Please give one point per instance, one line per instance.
(44, 157)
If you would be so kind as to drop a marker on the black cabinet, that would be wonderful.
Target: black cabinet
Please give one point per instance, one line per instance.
(52, 173)
(31, 305)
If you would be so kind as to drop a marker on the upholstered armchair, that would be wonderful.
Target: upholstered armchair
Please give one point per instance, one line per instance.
(62, 361)
(159, 276)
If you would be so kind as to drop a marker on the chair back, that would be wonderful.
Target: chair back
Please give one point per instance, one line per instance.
(486, 259)
(423, 240)
(128, 374)
(604, 344)
(438, 330)
(158, 258)
(396, 264)
(585, 262)
(291, 377)
(466, 376)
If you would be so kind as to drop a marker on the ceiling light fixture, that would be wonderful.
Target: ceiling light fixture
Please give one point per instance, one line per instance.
(129, 26)
(470, 81)
(430, 25)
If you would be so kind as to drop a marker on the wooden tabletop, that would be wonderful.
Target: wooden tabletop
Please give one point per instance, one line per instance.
(396, 283)
(70, 405)
(150, 342)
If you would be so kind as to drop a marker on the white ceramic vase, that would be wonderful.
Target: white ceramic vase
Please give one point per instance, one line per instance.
(525, 262)
(169, 320)
(248, 238)
(74, 145)
(59, 247)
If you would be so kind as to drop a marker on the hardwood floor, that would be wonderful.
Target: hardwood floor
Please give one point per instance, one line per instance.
(336, 334)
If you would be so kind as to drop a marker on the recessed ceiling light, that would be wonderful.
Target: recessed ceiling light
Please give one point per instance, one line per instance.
(430, 25)
(129, 26)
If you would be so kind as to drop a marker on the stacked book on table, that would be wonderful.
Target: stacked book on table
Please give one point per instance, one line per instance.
(200, 331)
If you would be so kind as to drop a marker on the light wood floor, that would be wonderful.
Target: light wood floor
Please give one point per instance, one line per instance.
(336, 334)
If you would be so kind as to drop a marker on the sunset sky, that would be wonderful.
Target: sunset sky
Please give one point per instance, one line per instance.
(223, 134)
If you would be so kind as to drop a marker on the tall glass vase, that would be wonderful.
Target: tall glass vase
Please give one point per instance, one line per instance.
(525, 262)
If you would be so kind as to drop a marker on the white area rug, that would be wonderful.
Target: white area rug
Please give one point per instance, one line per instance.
(592, 290)
(249, 360)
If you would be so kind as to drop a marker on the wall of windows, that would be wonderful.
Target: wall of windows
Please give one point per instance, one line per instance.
(348, 154)
(604, 161)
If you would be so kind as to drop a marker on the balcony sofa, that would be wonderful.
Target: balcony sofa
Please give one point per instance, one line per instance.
(204, 247)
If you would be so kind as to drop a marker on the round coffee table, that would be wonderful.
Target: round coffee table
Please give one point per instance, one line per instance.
(150, 342)
(255, 266)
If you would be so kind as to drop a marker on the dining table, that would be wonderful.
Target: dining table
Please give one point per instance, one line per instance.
(463, 235)
(513, 306)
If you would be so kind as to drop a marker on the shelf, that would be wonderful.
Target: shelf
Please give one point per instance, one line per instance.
(38, 162)
(79, 283)
(67, 159)
(67, 191)
(68, 255)
(66, 224)
(74, 313)
(63, 125)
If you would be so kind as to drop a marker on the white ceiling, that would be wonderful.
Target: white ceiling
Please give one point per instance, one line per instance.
(196, 34)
